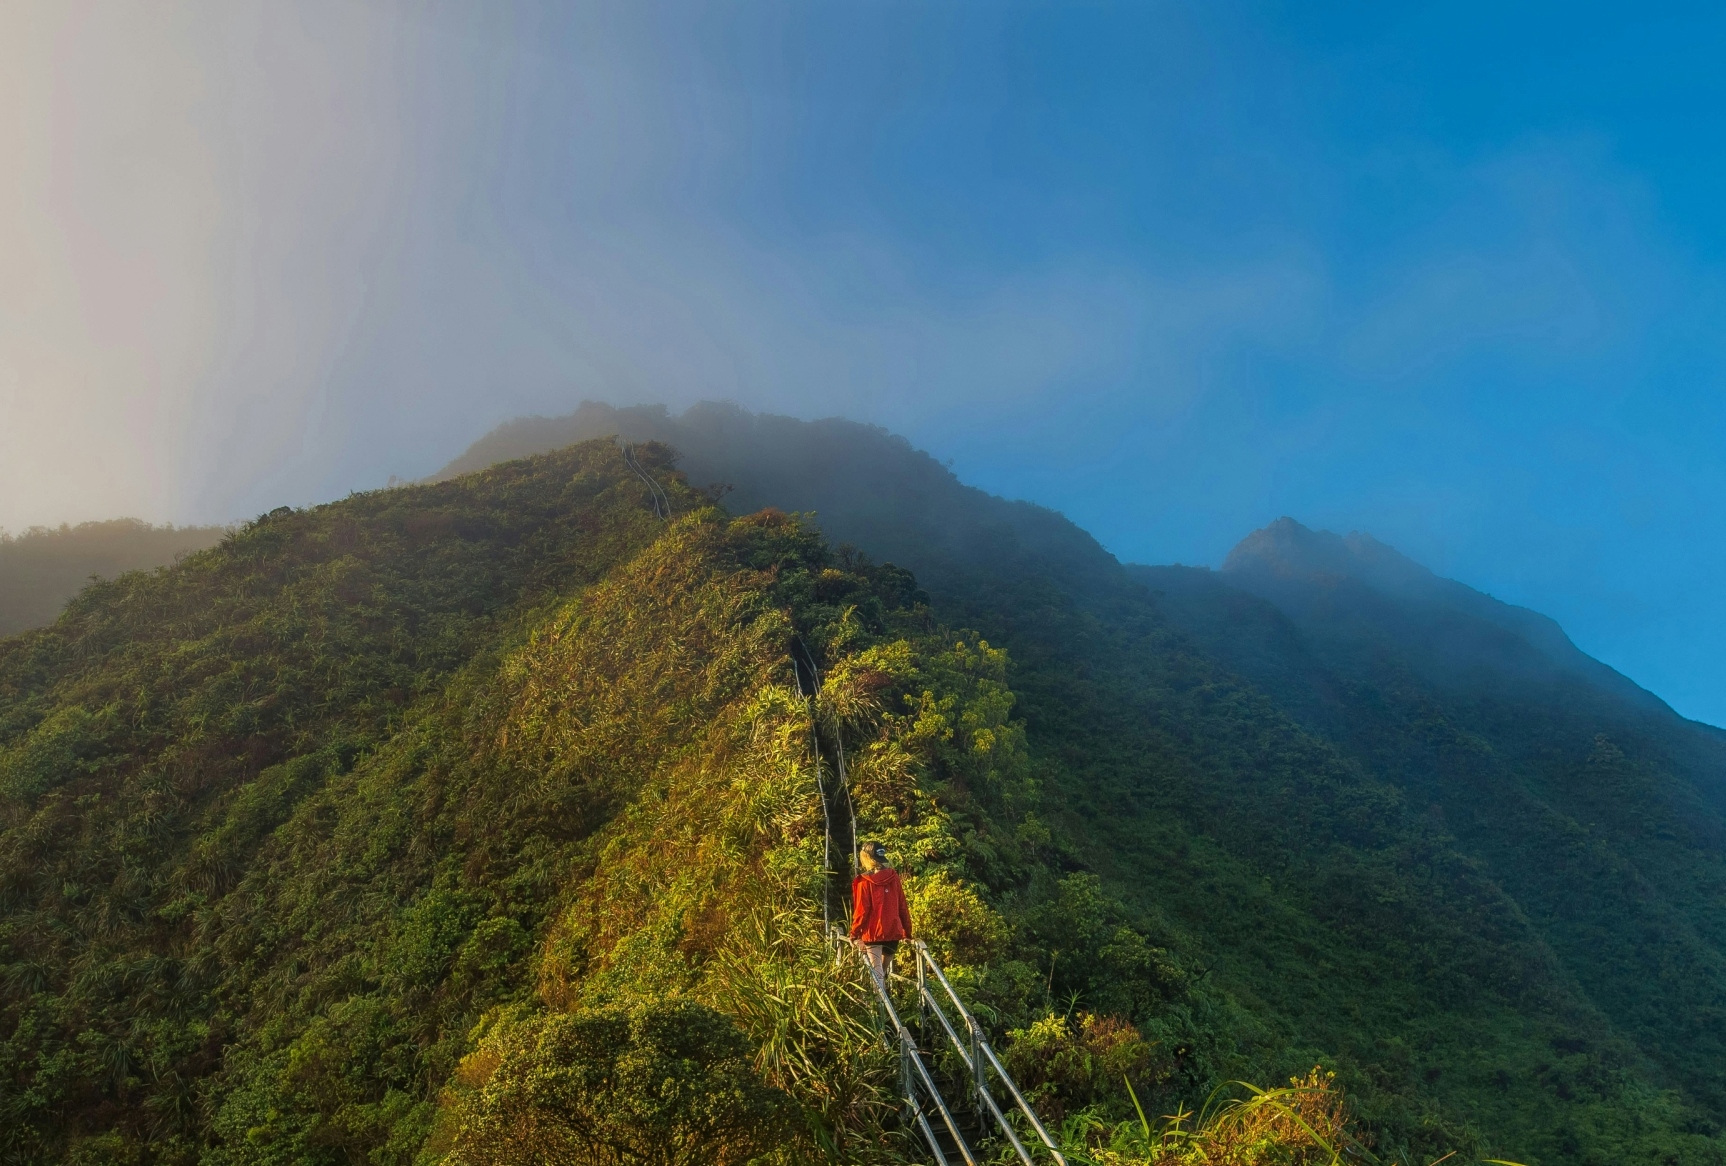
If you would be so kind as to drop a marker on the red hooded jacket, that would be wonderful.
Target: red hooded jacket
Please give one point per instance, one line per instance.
(879, 913)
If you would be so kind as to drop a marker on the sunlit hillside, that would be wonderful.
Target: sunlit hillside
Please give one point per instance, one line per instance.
(1580, 803)
(483, 821)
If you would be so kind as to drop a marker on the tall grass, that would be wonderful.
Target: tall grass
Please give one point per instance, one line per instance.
(811, 1018)
(1304, 1123)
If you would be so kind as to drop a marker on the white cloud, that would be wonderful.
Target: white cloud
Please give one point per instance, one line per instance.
(193, 191)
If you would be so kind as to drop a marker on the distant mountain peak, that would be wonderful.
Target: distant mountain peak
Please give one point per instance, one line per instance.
(1360, 581)
(1287, 549)
(861, 485)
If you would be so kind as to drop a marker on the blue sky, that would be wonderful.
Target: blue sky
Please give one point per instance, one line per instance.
(1451, 275)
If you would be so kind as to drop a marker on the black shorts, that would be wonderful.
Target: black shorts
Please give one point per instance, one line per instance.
(889, 948)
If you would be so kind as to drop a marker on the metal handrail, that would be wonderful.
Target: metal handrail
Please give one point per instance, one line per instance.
(980, 1053)
(661, 500)
(981, 1056)
(971, 1062)
(911, 1058)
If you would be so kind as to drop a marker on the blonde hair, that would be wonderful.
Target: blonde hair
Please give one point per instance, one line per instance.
(866, 856)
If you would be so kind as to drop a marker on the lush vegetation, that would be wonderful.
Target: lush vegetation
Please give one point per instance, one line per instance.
(1598, 811)
(1369, 832)
(161, 732)
(670, 1081)
(363, 835)
(1304, 1123)
(478, 822)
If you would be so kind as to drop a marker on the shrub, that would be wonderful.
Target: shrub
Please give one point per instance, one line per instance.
(1064, 1066)
(664, 1084)
(954, 921)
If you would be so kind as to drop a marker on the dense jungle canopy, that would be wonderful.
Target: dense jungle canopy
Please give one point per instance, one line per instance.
(376, 829)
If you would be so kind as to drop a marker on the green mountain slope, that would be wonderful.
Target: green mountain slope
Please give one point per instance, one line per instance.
(154, 737)
(1272, 820)
(365, 834)
(1594, 805)
(311, 843)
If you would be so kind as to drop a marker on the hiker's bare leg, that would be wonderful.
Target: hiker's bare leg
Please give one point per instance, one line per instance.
(877, 956)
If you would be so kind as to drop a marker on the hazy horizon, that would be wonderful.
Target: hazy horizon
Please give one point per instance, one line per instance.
(1451, 278)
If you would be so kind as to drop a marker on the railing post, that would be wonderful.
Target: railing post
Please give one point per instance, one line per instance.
(977, 1067)
(907, 1087)
(922, 997)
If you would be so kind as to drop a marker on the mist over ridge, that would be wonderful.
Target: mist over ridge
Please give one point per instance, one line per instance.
(1303, 570)
(42, 568)
(863, 484)
(868, 486)
(872, 488)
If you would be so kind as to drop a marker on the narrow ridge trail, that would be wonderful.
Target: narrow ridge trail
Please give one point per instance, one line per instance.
(918, 1088)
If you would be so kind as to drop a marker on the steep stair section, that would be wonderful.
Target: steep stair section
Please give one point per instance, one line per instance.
(956, 1129)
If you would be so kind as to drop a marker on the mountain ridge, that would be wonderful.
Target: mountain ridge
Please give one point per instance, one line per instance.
(43, 567)
(1484, 715)
(814, 467)
(311, 842)
(1292, 565)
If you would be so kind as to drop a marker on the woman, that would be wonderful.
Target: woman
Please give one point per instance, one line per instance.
(880, 917)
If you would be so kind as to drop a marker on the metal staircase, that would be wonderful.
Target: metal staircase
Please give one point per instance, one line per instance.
(951, 1139)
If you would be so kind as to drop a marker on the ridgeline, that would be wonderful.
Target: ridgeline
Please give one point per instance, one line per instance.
(404, 828)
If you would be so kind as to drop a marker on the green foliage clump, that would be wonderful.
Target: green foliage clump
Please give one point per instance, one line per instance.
(667, 1083)
(1076, 1064)
(1305, 1123)
(955, 921)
